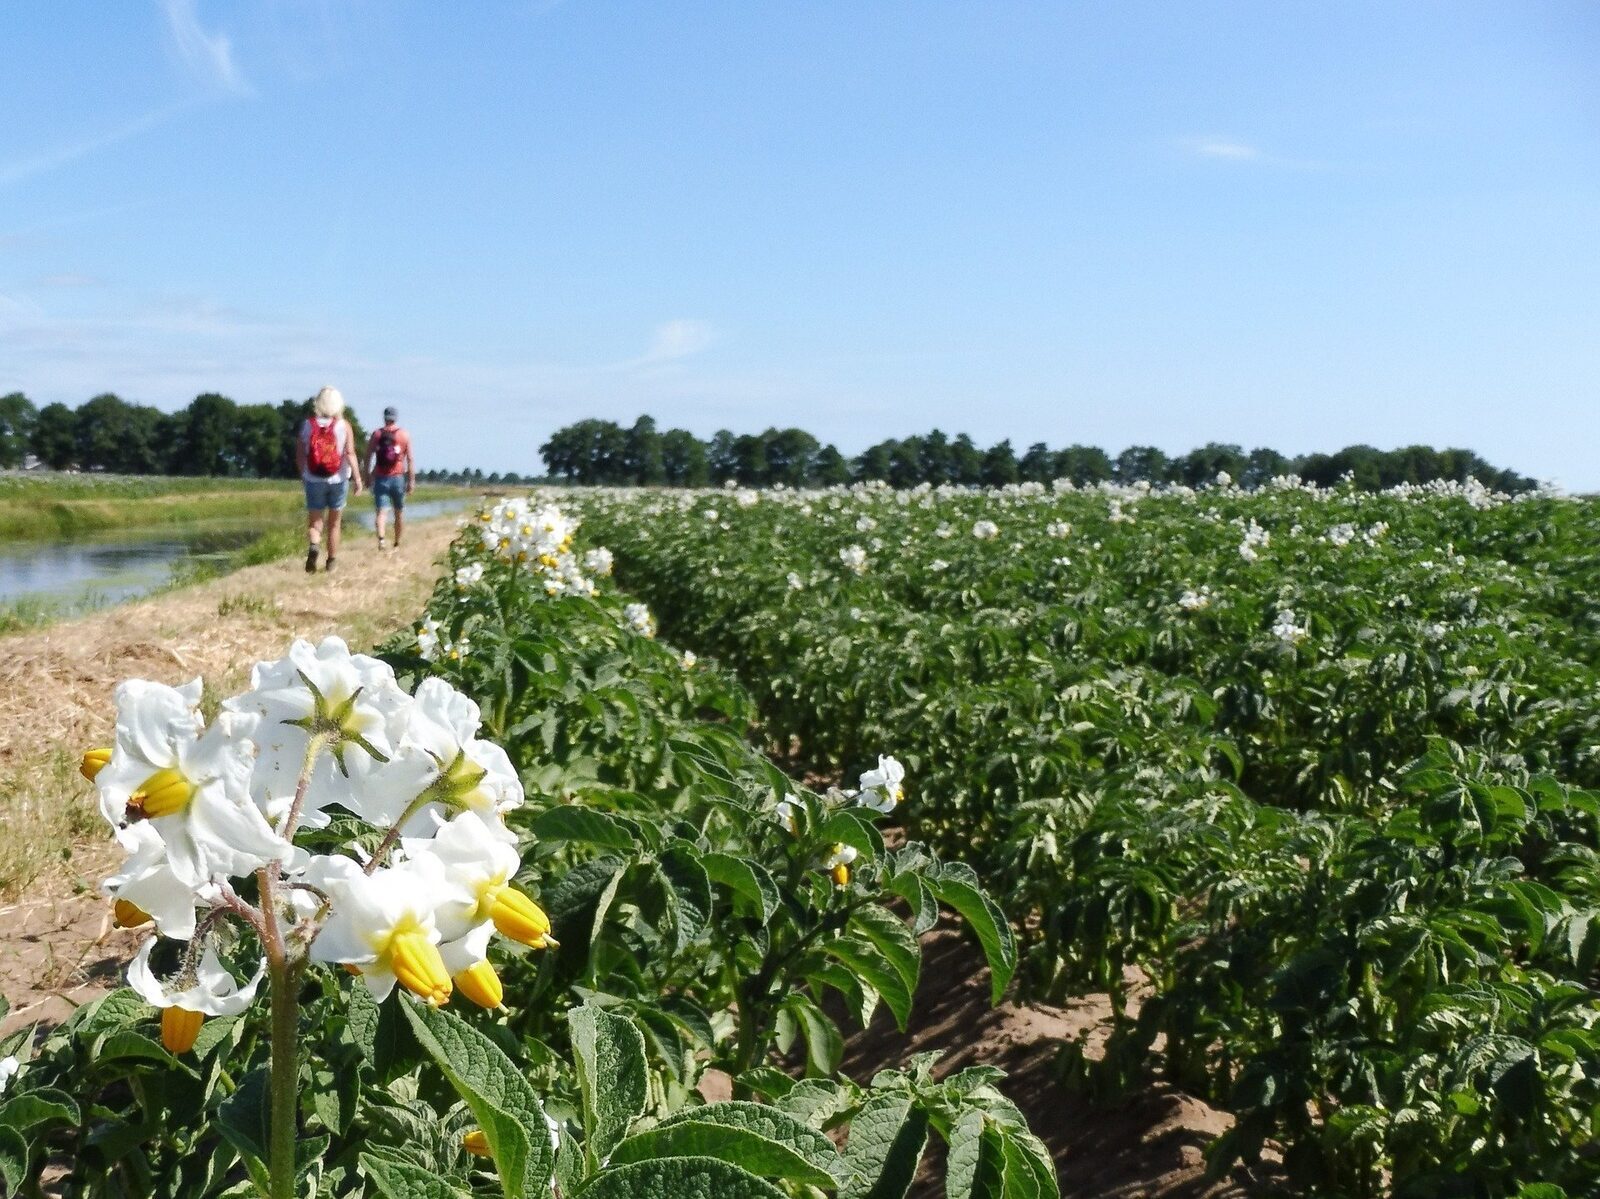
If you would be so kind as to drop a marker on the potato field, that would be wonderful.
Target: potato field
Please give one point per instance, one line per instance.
(665, 788)
(1304, 779)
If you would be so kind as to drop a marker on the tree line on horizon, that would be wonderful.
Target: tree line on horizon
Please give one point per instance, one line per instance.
(603, 452)
(212, 435)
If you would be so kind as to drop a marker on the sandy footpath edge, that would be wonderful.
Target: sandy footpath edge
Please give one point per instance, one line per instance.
(57, 946)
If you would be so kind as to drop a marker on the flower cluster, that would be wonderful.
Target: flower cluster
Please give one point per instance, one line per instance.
(985, 530)
(639, 620)
(1255, 539)
(199, 808)
(539, 539)
(854, 559)
(1287, 631)
(433, 645)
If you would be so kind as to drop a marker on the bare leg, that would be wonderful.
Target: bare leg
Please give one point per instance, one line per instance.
(313, 536)
(335, 515)
(399, 525)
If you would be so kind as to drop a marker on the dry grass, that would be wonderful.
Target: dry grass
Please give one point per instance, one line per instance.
(56, 682)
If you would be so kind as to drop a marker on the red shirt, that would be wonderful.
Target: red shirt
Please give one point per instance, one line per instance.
(402, 442)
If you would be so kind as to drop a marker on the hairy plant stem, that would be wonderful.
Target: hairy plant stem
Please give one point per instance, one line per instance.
(284, 979)
(285, 963)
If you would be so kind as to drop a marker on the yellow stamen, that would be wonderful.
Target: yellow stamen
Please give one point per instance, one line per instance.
(129, 915)
(479, 983)
(419, 968)
(94, 761)
(841, 875)
(516, 916)
(179, 1028)
(476, 1143)
(165, 792)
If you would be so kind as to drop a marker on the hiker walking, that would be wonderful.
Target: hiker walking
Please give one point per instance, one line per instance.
(325, 451)
(392, 472)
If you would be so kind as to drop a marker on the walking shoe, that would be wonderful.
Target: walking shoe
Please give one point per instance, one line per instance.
(382, 545)
(311, 560)
(329, 566)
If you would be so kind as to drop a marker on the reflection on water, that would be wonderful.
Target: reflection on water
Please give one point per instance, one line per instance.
(112, 568)
(360, 509)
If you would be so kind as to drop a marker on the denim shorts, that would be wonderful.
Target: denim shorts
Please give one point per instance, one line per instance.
(389, 491)
(324, 493)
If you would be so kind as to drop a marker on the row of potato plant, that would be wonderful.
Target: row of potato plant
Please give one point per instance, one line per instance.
(530, 762)
(1302, 777)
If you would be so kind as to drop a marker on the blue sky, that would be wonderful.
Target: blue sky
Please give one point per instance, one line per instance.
(1278, 224)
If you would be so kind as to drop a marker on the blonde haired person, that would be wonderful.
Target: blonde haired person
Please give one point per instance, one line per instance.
(325, 452)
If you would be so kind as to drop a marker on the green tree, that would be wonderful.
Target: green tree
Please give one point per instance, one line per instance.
(789, 453)
(1038, 465)
(642, 460)
(905, 463)
(100, 433)
(1141, 463)
(683, 459)
(1000, 464)
(1085, 465)
(750, 460)
(829, 468)
(875, 462)
(17, 415)
(53, 439)
(721, 458)
(966, 462)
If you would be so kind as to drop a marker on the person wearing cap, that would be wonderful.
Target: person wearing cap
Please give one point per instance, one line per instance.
(393, 473)
(325, 452)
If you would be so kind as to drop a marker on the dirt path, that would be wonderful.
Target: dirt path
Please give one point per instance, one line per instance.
(57, 946)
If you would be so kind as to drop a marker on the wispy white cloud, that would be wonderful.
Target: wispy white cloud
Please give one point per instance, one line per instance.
(53, 159)
(209, 56)
(1217, 147)
(677, 339)
(1228, 149)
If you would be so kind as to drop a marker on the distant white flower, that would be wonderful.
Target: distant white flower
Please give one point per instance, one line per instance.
(1057, 528)
(8, 1069)
(599, 561)
(865, 524)
(687, 659)
(1287, 631)
(938, 564)
(854, 559)
(639, 620)
(985, 530)
(467, 576)
(1194, 601)
(881, 788)
(796, 583)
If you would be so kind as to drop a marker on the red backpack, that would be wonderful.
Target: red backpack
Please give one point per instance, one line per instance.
(322, 450)
(388, 449)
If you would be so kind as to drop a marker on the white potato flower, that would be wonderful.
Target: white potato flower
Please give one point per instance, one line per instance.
(383, 924)
(8, 1070)
(439, 766)
(854, 559)
(207, 989)
(350, 700)
(639, 619)
(881, 788)
(985, 530)
(192, 788)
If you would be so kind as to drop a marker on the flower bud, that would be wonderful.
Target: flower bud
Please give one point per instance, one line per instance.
(164, 793)
(840, 875)
(481, 984)
(93, 762)
(476, 1143)
(129, 915)
(419, 968)
(518, 917)
(179, 1028)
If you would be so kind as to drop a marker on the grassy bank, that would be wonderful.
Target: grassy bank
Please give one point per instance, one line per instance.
(35, 507)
